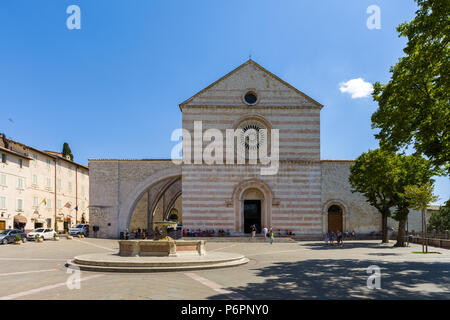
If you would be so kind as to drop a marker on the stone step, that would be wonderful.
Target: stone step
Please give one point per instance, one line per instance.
(141, 269)
(113, 262)
(172, 262)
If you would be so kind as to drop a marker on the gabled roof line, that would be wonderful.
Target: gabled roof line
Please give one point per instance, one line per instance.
(212, 84)
(46, 153)
(250, 61)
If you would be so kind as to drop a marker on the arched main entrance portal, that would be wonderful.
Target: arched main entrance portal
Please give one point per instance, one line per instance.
(252, 204)
(253, 199)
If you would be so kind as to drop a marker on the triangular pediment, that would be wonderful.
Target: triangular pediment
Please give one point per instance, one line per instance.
(271, 90)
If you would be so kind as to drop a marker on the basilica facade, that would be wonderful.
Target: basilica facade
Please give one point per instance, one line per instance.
(304, 195)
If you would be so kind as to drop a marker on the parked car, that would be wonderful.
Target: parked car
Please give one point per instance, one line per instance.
(7, 236)
(82, 227)
(46, 234)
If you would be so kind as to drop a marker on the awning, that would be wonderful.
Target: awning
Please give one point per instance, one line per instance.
(39, 221)
(20, 219)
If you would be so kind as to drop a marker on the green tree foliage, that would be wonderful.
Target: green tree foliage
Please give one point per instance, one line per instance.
(420, 197)
(415, 190)
(381, 176)
(66, 151)
(440, 220)
(374, 175)
(414, 107)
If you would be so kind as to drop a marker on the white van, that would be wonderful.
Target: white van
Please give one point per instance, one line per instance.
(81, 227)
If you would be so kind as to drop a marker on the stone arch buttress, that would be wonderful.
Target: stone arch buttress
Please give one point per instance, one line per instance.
(127, 206)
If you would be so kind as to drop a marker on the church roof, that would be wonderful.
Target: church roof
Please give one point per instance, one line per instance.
(296, 97)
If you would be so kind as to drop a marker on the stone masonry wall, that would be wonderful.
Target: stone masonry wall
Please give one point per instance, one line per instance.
(359, 215)
(117, 185)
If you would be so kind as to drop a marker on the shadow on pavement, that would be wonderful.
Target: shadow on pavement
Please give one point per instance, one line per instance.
(347, 279)
(348, 245)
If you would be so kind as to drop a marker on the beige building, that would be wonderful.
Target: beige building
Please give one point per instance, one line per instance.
(39, 187)
(307, 196)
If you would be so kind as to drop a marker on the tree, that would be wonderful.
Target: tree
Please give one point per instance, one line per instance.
(419, 198)
(66, 151)
(414, 170)
(374, 175)
(414, 107)
(440, 220)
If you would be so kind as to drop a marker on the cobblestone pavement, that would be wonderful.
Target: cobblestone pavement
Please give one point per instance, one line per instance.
(301, 270)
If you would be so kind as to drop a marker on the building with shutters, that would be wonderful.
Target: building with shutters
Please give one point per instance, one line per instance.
(39, 188)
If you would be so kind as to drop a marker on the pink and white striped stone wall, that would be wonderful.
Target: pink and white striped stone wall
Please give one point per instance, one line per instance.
(208, 190)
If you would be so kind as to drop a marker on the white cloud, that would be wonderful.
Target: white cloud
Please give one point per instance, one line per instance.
(358, 88)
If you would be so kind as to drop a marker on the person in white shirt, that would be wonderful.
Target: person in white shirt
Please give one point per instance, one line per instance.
(265, 230)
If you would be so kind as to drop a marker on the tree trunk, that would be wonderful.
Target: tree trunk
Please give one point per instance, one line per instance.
(401, 233)
(423, 237)
(384, 237)
(426, 233)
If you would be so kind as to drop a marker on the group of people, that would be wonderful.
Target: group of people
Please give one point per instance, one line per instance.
(268, 233)
(136, 234)
(206, 233)
(350, 235)
(338, 236)
(144, 234)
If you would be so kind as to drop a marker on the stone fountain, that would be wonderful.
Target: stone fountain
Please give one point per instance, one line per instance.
(165, 246)
(164, 254)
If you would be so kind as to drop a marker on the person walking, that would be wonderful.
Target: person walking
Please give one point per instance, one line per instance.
(339, 237)
(271, 236)
(265, 230)
(326, 238)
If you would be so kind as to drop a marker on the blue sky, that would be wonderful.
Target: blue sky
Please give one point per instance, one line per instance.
(112, 88)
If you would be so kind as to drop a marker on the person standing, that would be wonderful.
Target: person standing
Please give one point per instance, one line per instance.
(271, 236)
(253, 231)
(127, 234)
(331, 237)
(326, 238)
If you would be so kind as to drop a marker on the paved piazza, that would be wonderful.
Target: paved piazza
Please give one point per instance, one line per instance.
(300, 270)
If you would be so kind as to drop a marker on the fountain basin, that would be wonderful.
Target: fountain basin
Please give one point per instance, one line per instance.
(161, 248)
